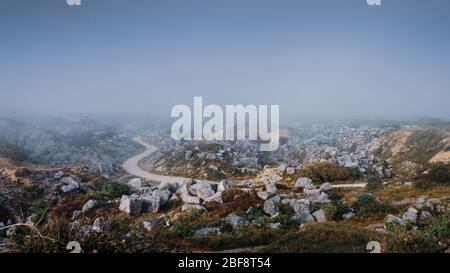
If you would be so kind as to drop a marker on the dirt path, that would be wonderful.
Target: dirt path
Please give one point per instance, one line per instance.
(355, 185)
(131, 166)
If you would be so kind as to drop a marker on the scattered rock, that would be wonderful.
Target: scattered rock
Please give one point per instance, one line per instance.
(264, 195)
(271, 188)
(98, 224)
(326, 186)
(290, 171)
(303, 218)
(410, 215)
(69, 184)
(203, 190)
(274, 225)
(271, 207)
(304, 182)
(425, 215)
(394, 219)
(217, 197)
(319, 215)
(76, 215)
(348, 215)
(224, 185)
(186, 207)
(58, 175)
(189, 199)
(422, 202)
(89, 205)
(205, 232)
(301, 206)
(154, 224)
(237, 221)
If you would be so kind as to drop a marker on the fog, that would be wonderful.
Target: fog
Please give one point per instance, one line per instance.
(315, 58)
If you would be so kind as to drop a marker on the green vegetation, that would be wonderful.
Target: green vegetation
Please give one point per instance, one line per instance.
(325, 237)
(323, 172)
(335, 210)
(438, 174)
(367, 205)
(114, 189)
(433, 237)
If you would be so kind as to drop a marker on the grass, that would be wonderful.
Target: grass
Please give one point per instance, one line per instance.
(325, 237)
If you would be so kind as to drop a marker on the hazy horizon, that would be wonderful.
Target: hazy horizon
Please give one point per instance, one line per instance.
(316, 59)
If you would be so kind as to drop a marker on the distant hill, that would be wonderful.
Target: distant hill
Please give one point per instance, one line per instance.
(410, 149)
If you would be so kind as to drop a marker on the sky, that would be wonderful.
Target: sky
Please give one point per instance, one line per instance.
(314, 58)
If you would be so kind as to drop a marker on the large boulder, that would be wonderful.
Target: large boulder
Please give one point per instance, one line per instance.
(151, 204)
(237, 221)
(131, 204)
(304, 183)
(89, 205)
(163, 195)
(203, 190)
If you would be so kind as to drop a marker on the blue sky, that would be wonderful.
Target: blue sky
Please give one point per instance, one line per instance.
(316, 58)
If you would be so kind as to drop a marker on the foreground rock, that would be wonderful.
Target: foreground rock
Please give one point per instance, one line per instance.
(237, 221)
(205, 232)
(89, 205)
(131, 204)
(304, 183)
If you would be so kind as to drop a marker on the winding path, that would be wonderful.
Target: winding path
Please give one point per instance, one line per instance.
(131, 165)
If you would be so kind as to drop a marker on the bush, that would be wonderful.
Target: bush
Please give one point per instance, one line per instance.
(373, 182)
(114, 189)
(335, 210)
(366, 205)
(323, 172)
(354, 173)
(214, 175)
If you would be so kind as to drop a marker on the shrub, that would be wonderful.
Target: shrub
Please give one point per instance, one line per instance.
(366, 205)
(323, 172)
(335, 210)
(214, 175)
(114, 189)
(354, 173)
(373, 182)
